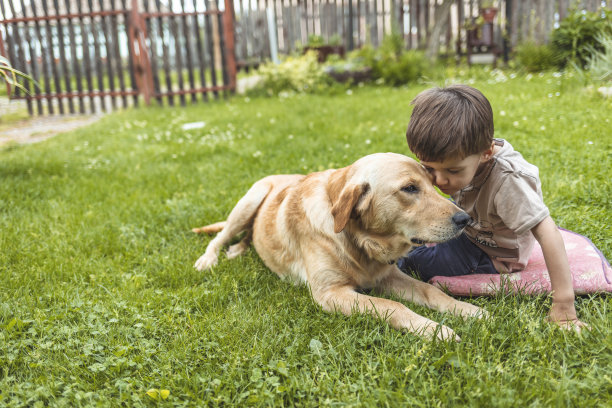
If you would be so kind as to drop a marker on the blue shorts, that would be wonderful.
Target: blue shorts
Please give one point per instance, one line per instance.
(456, 257)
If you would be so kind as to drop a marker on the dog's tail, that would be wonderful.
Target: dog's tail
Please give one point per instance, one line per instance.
(210, 229)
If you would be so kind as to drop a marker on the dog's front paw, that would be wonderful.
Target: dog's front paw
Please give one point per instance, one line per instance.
(206, 261)
(441, 332)
(468, 310)
(430, 329)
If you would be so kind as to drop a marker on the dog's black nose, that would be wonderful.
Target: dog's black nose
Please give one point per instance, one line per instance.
(461, 219)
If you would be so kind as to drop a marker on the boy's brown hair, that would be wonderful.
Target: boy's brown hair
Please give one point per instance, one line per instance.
(451, 122)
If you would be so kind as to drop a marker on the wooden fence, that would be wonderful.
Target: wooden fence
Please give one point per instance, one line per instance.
(91, 55)
(354, 23)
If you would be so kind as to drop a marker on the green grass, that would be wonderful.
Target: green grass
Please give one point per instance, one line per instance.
(100, 302)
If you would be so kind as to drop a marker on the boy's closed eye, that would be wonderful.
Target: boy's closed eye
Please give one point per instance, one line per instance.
(451, 171)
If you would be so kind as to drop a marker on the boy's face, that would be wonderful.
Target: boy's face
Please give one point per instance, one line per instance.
(451, 175)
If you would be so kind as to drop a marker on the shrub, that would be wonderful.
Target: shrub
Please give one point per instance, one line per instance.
(600, 62)
(296, 73)
(536, 58)
(391, 62)
(576, 38)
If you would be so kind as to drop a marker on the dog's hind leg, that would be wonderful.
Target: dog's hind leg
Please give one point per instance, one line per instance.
(239, 248)
(240, 219)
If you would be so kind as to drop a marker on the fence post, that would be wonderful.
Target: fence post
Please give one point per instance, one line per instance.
(141, 62)
(228, 25)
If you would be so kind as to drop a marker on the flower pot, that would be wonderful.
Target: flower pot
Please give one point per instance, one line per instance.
(488, 14)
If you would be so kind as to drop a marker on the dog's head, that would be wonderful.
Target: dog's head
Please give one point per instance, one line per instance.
(388, 203)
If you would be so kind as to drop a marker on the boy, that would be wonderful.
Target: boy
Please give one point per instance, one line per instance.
(451, 133)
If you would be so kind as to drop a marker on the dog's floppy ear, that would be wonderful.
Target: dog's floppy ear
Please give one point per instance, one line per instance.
(344, 197)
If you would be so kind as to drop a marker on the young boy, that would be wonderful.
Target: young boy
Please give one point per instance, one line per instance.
(451, 133)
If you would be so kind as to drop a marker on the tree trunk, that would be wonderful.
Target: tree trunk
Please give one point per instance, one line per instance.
(440, 16)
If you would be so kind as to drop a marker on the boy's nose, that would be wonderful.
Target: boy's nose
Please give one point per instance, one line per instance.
(439, 180)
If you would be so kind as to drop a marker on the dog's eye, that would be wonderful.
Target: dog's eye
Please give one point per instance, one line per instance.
(410, 189)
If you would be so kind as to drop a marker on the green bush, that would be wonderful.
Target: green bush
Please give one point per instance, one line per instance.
(536, 58)
(391, 63)
(296, 73)
(576, 38)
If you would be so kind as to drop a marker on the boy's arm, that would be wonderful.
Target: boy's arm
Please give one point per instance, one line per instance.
(562, 311)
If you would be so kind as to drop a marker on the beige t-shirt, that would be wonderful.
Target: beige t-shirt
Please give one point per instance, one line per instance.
(505, 203)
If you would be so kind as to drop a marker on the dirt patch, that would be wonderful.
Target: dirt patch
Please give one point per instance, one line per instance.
(36, 129)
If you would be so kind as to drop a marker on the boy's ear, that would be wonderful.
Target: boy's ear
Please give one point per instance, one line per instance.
(487, 154)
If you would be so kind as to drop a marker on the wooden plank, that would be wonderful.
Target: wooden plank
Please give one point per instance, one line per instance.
(86, 49)
(127, 22)
(549, 14)
(514, 19)
(166, 55)
(33, 60)
(174, 23)
(563, 7)
(116, 53)
(152, 34)
(224, 66)
(20, 59)
(200, 51)
(63, 60)
(44, 62)
(56, 78)
(418, 22)
(460, 18)
(97, 63)
(410, 24)
(211, 47)
(108, 46)
(188, 56)
(75, 61)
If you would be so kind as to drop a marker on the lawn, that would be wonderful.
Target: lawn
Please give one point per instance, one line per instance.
(100, 304)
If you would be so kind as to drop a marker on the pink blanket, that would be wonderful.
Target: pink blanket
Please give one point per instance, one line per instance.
(591, 273)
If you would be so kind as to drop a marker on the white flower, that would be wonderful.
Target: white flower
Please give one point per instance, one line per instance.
(349, 91)
(502, 113)
(257, 153)
(515, 123)
(368, 141)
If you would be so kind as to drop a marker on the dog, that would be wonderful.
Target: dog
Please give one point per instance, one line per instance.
(341, 231)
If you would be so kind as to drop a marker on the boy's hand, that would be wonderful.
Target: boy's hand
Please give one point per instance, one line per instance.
(564, 315)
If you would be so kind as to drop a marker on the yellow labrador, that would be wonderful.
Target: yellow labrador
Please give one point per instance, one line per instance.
(342, 230)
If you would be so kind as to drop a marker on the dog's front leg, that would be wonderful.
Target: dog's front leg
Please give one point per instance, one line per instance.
(346, 300)
(399, 284)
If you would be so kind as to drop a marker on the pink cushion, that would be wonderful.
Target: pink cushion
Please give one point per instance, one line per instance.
(591, 273)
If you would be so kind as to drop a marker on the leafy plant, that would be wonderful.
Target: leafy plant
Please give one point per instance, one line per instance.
(600, 62)
(315, 41)
(391, 63)
(10, 75)
(296, 73)
(576, 38)
(536, 58)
